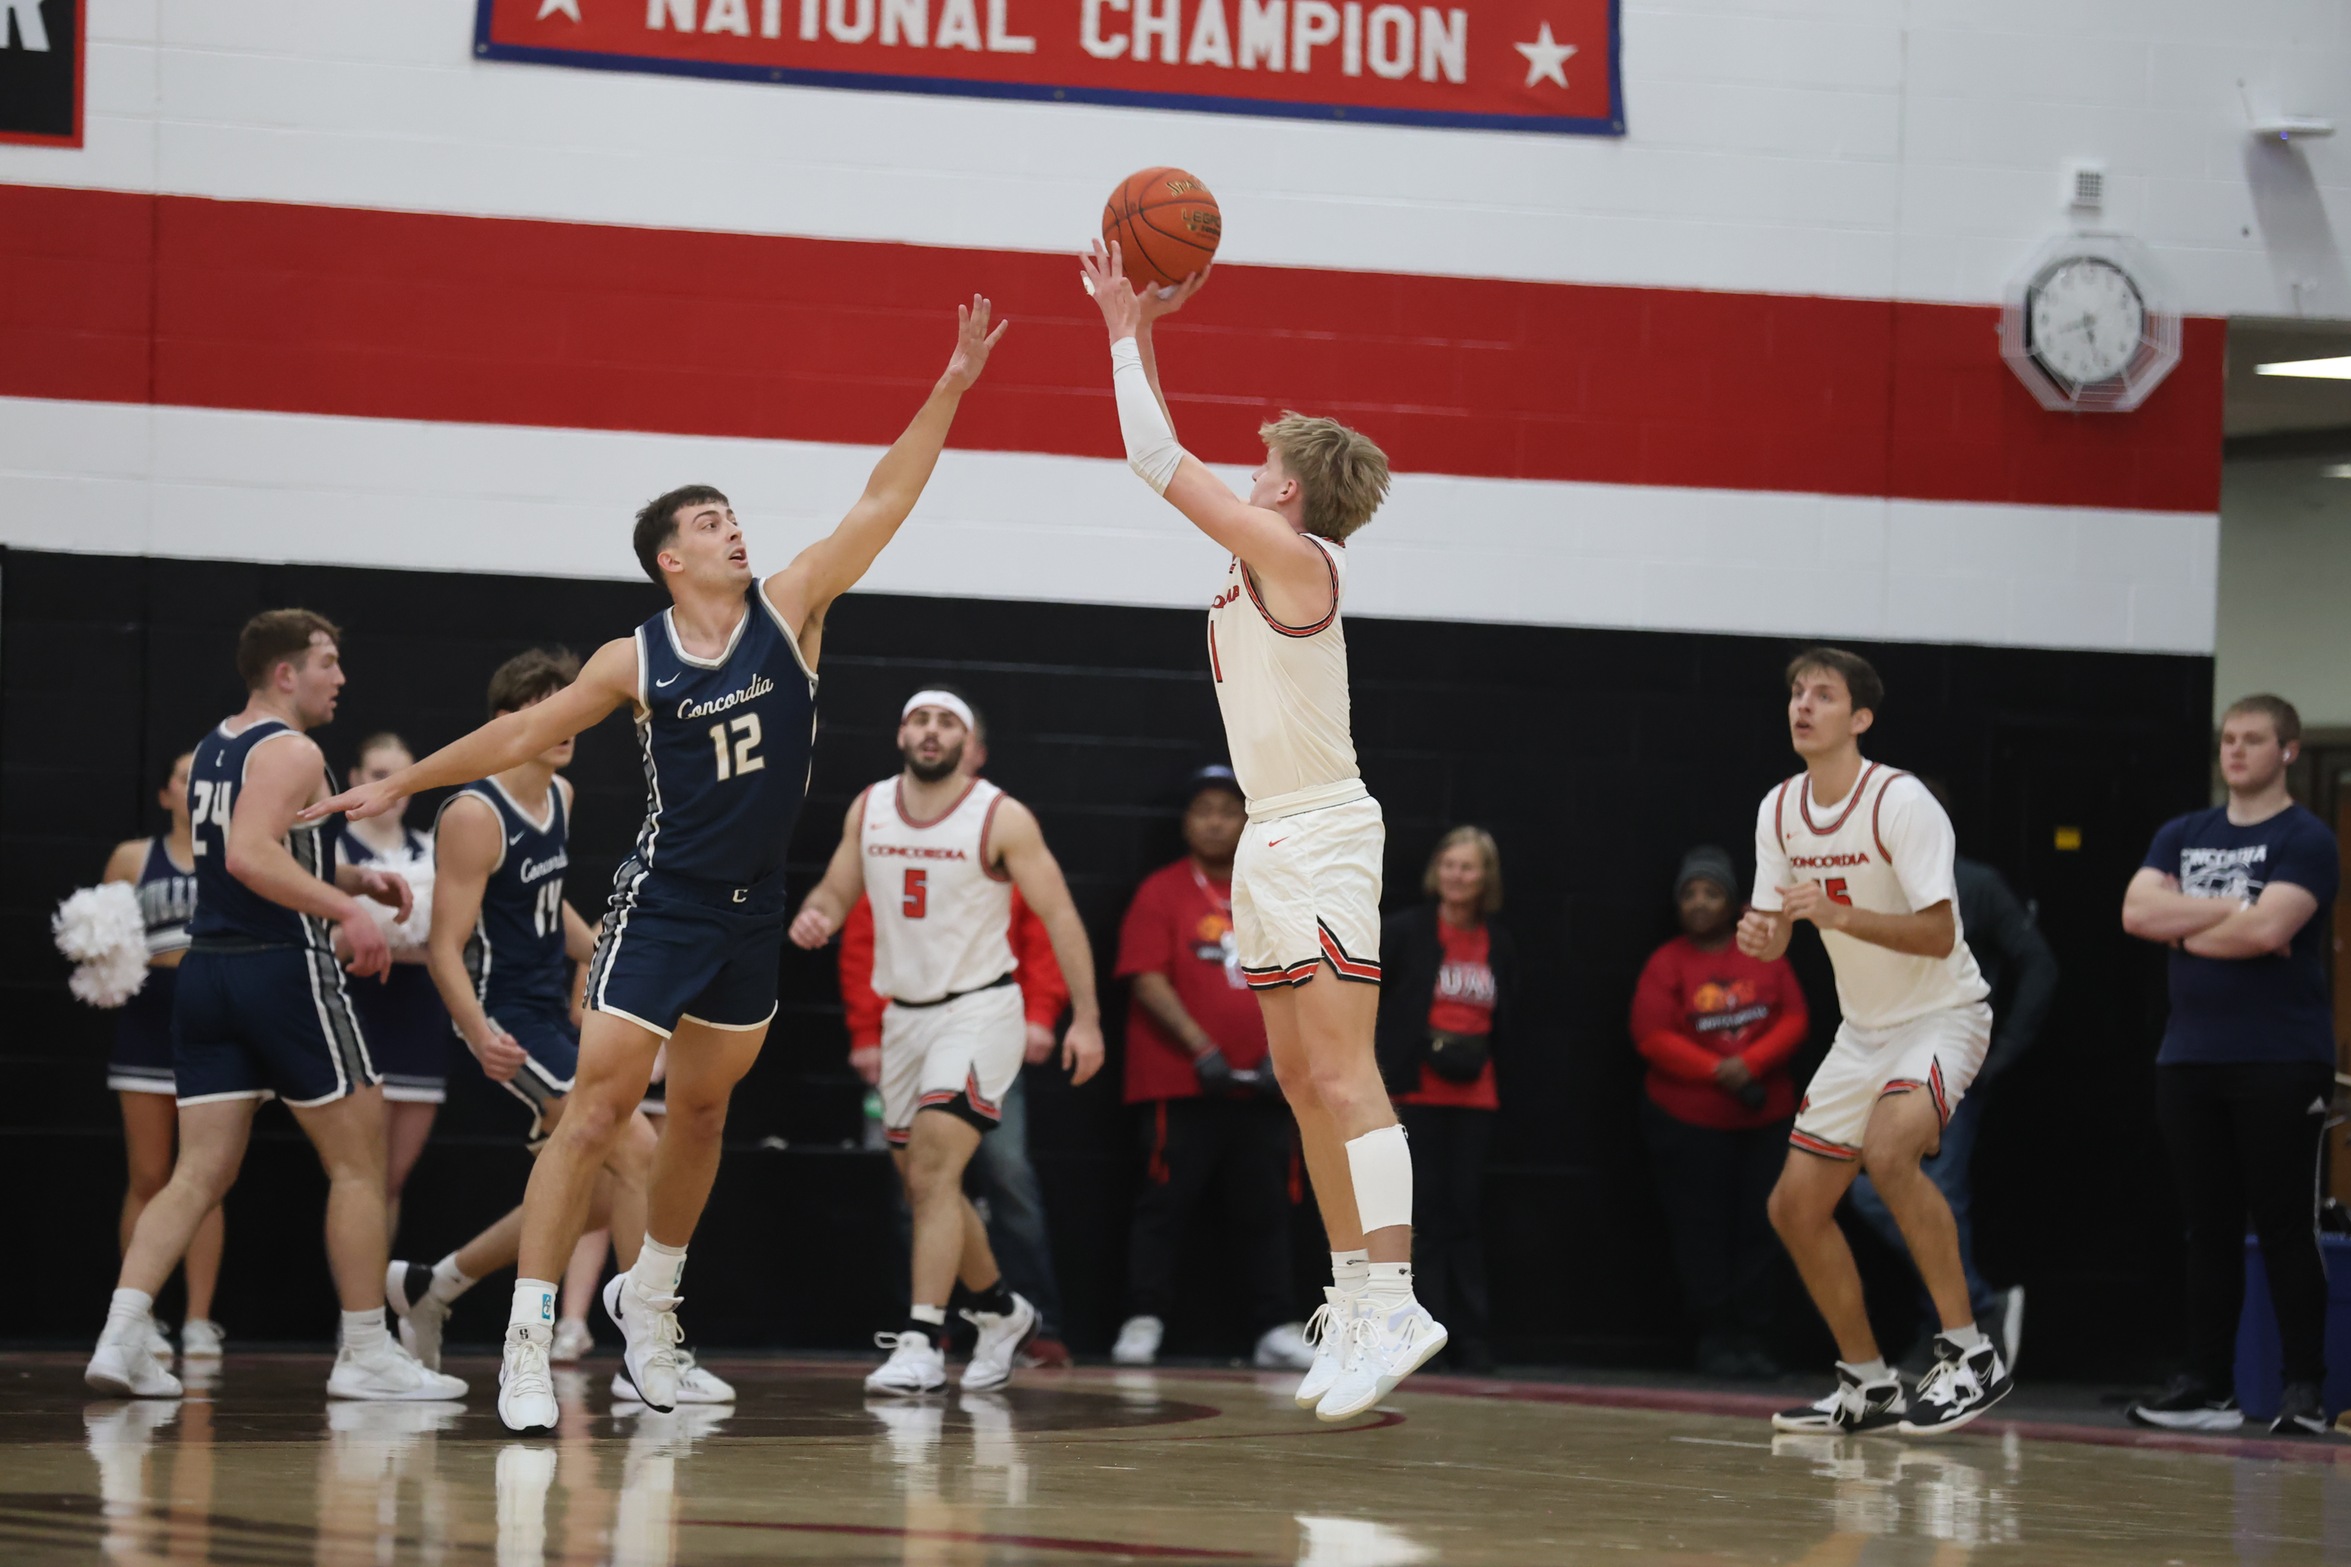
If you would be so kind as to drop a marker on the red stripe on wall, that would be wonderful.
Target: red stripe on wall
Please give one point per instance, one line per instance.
(401, 315)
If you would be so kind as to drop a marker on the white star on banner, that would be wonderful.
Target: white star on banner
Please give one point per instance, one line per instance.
(1545, 56)
(548, 8)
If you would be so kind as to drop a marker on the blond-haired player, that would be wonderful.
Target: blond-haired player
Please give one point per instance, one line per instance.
(1306, 879)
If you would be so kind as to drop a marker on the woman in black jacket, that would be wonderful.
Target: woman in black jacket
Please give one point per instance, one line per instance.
(1445, 1006)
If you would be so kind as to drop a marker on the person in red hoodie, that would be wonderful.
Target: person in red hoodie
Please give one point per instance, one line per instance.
(1718, 1029)
(1000, 1172)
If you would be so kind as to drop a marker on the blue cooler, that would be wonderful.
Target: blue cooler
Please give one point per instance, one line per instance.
(2260, 1373)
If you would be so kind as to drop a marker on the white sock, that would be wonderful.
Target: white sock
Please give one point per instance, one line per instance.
(449, 1280)
(534, 1305)
(936, 1316)
(1350, 1270)
(1390, 1283)
(659, 1271)
(363, 1330)
(1868, 1370)
(130, 1312)
(1970, 1337)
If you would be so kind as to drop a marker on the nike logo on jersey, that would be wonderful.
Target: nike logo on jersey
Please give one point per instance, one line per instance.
(671, 681)
(511, 842)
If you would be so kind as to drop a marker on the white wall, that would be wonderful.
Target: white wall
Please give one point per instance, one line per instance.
(2285, 583)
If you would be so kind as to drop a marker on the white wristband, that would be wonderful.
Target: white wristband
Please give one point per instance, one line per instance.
(1152, 450)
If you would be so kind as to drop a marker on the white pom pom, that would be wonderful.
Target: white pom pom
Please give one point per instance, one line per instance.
(111, 980)
(98, 921)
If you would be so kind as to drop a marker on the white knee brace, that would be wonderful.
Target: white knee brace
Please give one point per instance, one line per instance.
(1381, 1164)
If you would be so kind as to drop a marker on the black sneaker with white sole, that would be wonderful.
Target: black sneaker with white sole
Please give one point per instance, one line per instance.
(2301, 1411)
(1962, 1385)
(2189, 1403)
(1854, 1407)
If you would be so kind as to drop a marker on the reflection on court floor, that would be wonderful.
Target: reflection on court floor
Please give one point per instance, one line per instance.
(256, 1468)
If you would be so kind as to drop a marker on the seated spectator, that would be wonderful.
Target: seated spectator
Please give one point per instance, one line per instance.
(1210, 1116)
(1718, 1029)
(1446, 1003)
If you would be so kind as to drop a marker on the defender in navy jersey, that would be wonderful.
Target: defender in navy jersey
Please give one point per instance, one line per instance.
(163, 870)
(262, 1012)
(504, 947)
(723, 688)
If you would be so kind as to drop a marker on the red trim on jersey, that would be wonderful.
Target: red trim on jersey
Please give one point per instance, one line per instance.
(1805, 1142)
(1347, 967)
(987, 868)
(1935, 1087)
(971, 1091)
(1878, 805)
(1215, 664)
(1330, 563)
(1852, 802)
(898, 804)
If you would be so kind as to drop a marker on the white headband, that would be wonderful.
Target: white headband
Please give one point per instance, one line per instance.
(943, 699)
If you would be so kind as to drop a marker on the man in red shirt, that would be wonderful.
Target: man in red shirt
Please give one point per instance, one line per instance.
(1000, 1174)
(1196, 1064)
(1718, 1029)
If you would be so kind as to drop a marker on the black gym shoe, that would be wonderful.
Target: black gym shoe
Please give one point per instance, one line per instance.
(2301, 1412)
(1855, 1406)
(1963, 1384)
(2189, 1404)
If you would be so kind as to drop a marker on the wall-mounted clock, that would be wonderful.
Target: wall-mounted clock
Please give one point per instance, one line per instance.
(2086, 326)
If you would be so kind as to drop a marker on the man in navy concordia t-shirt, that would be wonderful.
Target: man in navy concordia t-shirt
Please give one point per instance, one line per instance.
(2241, 894)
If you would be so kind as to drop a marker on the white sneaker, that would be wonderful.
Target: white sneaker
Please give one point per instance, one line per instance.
(1284, 1348)
(1001, 1336)
(1852, 1406)
(525, 1475)
(526, 1392)
(159, 1344)
(388, 1373)
(408, 1291)
(650, 1337)
(1138, 1342)
(200, 1339)
(916, 1365)
(1386, 1346)
(696, 1384)
(572, 1342)
(1326, 1330)
(122, 1367)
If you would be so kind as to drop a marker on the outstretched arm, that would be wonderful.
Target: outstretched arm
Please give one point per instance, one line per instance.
(834, 564)
(609, 679)
(1017, 843)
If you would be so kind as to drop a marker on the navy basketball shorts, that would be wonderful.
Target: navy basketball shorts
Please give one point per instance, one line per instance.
(552, 1047)
(408, 1032)
(266, 1022)
(674, 950)
(140, 1062)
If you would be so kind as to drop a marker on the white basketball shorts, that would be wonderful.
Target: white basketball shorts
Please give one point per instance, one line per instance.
(960, 1056)
(1306, 891)
(1937, 1055)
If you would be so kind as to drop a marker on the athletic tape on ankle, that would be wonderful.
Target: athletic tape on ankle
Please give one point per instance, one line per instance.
(1381, 1165)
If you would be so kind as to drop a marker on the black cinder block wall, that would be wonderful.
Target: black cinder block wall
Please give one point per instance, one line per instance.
(1596, 757)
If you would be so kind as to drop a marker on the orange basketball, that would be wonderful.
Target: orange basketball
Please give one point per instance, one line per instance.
(1166, 225)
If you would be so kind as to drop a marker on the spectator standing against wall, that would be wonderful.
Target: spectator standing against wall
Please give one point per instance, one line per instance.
(1000, 1177)
(2240, 893)
(2017, 963)
(1718, 1029)
(1446, 1002)
(1209, 1117)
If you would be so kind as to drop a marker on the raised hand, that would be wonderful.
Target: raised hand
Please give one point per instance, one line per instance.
(973, 340)
(1103, 272)
(1157, 302)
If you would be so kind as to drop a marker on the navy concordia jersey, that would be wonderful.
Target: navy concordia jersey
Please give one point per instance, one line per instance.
(726, 744)
(228, 911)
(516, 952)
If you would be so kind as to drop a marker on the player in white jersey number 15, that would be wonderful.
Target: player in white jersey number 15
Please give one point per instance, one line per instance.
(1865, 854)
(1306, 877)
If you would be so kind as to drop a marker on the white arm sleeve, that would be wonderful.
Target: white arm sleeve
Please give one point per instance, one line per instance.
(1151, 446)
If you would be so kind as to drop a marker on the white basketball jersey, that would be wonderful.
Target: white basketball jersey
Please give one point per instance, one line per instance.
(1283, 692)
(1886, 847)
(940, 916)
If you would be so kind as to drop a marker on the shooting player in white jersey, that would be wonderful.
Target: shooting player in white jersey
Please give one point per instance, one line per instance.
(1306, 878)
(1865, 854)
(937, 855)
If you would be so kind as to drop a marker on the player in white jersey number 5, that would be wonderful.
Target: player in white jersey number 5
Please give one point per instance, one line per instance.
(1865, 854)
(937, 855)
(1306, 878)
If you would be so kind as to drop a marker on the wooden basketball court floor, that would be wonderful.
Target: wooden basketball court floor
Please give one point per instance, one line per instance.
(259, 1468)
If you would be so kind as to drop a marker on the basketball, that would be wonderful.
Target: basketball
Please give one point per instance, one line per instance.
(1165, 223)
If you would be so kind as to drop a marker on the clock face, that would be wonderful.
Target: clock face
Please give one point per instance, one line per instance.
(2085, 319)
